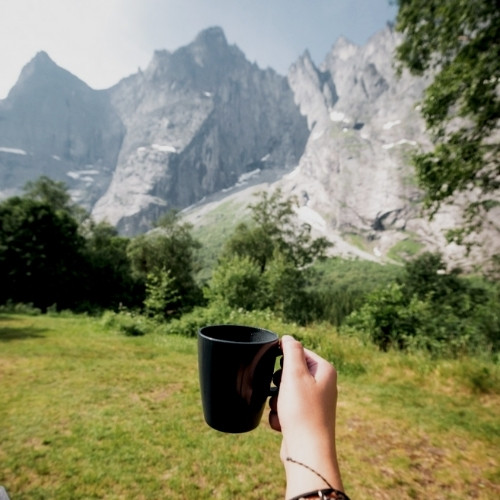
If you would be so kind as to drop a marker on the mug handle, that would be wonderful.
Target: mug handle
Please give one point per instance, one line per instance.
(274, 390)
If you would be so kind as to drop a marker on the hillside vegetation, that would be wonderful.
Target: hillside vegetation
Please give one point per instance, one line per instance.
(55, 257)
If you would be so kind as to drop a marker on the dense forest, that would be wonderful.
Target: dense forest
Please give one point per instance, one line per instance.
(53, 256)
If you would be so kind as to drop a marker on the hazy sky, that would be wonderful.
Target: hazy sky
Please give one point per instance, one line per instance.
(102, 41)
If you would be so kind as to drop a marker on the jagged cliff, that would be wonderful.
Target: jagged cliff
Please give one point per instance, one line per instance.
(355, 170)
(203, 119)
(191, 124)
(53, 124)
(355, 177)
(196, 121)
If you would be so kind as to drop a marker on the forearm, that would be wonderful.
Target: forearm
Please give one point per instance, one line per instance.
(305, 413)
(312, 470)
(311, 466)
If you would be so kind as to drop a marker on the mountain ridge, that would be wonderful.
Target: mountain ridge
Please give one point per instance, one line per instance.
(203, 121)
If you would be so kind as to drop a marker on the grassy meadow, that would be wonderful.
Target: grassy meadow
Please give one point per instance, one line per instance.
(87, 412)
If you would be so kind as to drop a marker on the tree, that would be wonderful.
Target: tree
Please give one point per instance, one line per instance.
(432, 309)
(108, 275)
(426, 277)
(265, 264)
(237, 282)
(276, 228)
(169, 249)
(161, 292)
(285, 289)
(459, 42)
(40, 254)
(55, 194)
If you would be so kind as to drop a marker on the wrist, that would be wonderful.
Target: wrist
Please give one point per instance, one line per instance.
(313, 448)
(311, 472)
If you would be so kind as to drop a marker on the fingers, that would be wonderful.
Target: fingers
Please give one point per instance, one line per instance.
(274, 420)
(300, 361)
(318, 367)
(294, 356)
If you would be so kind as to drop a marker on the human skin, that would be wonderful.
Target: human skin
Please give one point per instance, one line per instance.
(305, 412)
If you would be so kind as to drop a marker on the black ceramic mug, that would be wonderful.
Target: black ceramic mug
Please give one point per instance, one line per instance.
(236, 365)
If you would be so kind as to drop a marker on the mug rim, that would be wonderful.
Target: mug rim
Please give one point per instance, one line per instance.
(202, 334)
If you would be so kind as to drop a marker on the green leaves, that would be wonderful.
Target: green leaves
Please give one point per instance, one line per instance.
(433, 310)
(276, 228)
(40, 253)
(264, 264)
(236, 282)
(161, 292)
(165, 260)
(458, 43)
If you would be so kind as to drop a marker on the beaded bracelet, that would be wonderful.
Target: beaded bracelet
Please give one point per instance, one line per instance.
(329, 493)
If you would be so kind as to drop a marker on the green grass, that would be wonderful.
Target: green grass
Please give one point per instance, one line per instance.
(405, 249)
(358, 241)
(86, 412)
(213, 229)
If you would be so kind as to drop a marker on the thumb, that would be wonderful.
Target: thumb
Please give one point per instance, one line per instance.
(294, 358)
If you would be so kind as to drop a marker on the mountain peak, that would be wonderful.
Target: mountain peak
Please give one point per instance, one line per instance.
(212, 36)
(42, 57)
(343, 48)
(40, 66)
(41, 62)
(43, 71)
(306, 56)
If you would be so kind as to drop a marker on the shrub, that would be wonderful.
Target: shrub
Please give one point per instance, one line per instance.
(285, 290)
(236, 282)
(161, 292)
(128, 322)
(20, 308)
(441, 313)
(219, 313)
(341, 286)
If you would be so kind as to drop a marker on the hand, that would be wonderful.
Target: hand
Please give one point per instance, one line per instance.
(304, 411)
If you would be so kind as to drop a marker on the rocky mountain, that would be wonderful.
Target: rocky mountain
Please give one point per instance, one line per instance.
(191, 124)
(354, 182)
(203, 120)
(196, 121)
(364, 124)
(355, 179)
(53, 124)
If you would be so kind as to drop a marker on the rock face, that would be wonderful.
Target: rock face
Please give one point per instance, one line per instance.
(191, 124)
(53, 124)
(364, 125)
(196, 121)
(355, 177)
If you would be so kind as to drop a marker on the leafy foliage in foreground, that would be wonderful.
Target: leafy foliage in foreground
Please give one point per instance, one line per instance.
(268, 269)
(39, 253)
(53, 255)
(340, 286)
(164, 260)
(459, 41)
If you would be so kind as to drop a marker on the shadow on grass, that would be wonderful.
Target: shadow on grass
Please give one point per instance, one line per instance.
(8, 333)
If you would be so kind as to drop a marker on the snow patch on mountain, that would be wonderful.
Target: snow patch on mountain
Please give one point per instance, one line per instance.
(13, 151)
